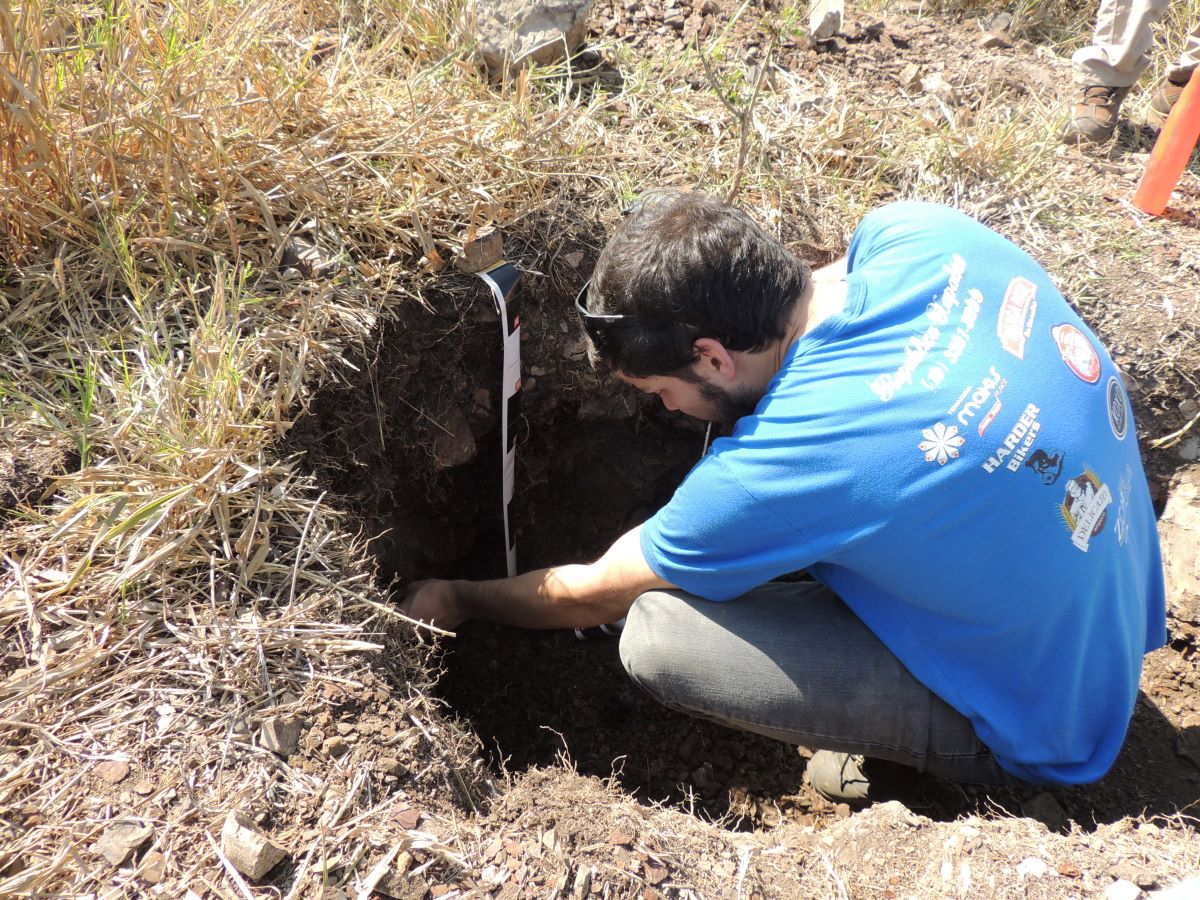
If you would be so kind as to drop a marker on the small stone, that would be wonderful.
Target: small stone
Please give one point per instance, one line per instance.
(483, 252)
(1032, 867)
(121, 838)
(408, 819)
(910, 76)
(281, 734)
(1122, 890)
(1069, 869)
(399, 887)
(937, 86)
(335, 746)
(574, 259)
(1189, 450)
(513, 33)
(389, 765)
(154, 866)
(304, 256)
(453, 442)
(249, 850)
(990, 40)
(112, 770)
(344, 728)
(1129, 871)
(582, 886)
(654, 872)
(998, 23)
(825, 19)
(144, 787)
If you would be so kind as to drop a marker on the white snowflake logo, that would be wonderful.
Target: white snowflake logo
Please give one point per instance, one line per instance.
(941, 443)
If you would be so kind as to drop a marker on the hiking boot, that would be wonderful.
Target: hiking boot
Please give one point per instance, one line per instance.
(859, 780)
(839, 777)
(1165, 97)
(1095, 116)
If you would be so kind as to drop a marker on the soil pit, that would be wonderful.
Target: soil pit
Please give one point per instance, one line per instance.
(411, 445)
(594, 459)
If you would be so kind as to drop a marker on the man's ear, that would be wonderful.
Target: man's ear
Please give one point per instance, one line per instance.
(714, 358)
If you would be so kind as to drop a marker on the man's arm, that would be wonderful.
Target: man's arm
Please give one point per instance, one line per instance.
(574, 596)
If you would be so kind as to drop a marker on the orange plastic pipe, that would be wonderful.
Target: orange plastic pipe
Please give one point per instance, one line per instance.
(1171, 151)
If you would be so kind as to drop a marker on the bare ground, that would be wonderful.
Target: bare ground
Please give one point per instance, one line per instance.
(578, 784)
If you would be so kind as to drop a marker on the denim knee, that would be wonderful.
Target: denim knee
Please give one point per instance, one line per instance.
(644, 651)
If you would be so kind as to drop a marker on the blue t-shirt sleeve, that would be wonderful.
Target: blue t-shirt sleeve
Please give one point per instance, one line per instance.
(716, 540)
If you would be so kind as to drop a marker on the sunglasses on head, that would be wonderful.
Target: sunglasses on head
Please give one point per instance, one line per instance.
(596, 325)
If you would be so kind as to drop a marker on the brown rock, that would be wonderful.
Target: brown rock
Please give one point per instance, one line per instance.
(654, 872)
(144, 786)
(992, 41)
(484, 251)
(281, 734)
(335, 746)
(511, 34)
(249, 850)
(389, 765)
(399, 887)
(154, 866)
(112, 770)
(121, 838)
(1179, 532)
(453, 442)
(408, 819)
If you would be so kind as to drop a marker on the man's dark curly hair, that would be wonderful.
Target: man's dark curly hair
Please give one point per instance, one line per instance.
(683, 266)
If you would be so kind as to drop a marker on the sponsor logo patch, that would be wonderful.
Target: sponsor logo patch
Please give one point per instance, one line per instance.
(973, 398)
(1017, 443)
(1125, 489)
(941, 443)
(1048, 466)
(1077, 352)
(1084, 508)
(1118, 410)
(1017, 312)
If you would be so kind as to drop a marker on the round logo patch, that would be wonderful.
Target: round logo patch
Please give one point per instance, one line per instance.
(1118, 411)
(1077, 352)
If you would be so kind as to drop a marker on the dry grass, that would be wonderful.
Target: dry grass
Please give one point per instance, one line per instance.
(185, 582)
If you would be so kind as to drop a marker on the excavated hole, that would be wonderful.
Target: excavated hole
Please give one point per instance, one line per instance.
(593, 460)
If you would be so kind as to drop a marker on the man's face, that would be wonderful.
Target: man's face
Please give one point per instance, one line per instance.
(699, 398)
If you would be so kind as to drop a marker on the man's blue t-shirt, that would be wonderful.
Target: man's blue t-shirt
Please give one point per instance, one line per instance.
(954, 455)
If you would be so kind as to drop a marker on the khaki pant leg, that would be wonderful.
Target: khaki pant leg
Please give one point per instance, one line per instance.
(1190, 58)
(1122, 42)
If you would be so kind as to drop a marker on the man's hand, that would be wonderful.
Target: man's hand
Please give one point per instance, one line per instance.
(434, 602)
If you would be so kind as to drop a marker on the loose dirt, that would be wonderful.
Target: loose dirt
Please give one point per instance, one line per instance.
(582, 785)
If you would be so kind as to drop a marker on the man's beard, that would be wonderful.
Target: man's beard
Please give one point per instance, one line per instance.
(728, 406)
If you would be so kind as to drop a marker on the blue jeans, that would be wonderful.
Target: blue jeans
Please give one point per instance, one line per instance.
(791, 661)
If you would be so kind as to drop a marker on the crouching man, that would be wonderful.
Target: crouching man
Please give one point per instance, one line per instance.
(934, 436)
